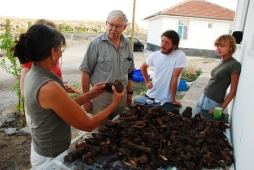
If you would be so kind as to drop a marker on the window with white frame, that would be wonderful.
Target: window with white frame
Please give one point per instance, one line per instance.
(210, 25)
(183, 28)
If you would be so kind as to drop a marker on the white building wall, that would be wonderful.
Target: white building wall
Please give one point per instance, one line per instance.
(243, 113)
(199, 35)
(240, 14)
(202, 37)
(169, 24)
(157, 26)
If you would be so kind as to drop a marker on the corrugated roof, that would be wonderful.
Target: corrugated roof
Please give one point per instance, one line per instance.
(197, 9)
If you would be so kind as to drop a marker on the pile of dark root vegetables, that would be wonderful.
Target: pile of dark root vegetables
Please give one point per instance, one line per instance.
(148, 137)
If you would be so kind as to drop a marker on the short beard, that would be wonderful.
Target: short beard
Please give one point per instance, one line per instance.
(169, 51)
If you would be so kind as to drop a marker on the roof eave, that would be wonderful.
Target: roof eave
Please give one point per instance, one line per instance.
(193, 16)
(153, 15)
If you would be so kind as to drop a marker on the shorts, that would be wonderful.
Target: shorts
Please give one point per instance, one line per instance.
(206, 103)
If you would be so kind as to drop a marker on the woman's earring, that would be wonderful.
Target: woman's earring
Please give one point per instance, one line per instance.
(53, 58)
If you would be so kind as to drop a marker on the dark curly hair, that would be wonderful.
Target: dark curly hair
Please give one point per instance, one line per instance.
(171, 34)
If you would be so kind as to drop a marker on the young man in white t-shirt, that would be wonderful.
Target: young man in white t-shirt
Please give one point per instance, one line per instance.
(168, 63)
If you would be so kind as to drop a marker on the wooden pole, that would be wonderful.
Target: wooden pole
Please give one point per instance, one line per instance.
(133, 24)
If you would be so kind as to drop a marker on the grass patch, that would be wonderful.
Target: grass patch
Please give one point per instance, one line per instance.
(78, 87)
(179, 96)
(139, 89)
(191, 73)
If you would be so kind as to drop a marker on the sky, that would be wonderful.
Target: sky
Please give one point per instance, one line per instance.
(91, 9)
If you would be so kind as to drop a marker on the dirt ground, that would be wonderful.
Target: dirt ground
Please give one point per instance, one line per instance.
(15, 150)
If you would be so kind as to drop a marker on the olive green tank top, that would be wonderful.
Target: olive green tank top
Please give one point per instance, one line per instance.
(50, 134)
(221, 79)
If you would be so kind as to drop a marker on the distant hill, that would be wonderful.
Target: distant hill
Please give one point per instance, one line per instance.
(94, 28)
(22, 23)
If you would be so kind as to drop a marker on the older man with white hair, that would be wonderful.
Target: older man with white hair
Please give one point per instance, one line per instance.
(109, 56)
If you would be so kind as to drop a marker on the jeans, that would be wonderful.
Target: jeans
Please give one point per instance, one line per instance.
(206, 103)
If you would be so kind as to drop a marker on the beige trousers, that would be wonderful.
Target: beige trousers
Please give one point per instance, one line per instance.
(103, 101)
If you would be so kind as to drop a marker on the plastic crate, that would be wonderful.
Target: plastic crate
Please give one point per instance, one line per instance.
(137, 76)
(138, 71)
(182, 85)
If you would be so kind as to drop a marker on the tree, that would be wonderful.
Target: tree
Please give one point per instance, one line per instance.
(68, 28)
(29, 24)
(84, 29)
(14, 69)
(62, 27)
(80, 29)
(8, 26)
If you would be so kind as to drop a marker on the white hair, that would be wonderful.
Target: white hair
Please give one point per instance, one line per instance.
(115, 14)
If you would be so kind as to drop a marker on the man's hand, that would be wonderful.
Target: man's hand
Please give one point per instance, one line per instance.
(70, 89)
(129, 100)
(149, 85)
(176, 103)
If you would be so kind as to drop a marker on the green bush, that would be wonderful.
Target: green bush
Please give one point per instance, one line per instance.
(78, 87)
(191, 73)
(14, 68)
(139, 89)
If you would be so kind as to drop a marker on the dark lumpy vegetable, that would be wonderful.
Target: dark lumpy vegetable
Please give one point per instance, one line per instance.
(118, 85)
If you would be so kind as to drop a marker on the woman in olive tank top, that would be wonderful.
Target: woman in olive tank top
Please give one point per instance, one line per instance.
(51, 109)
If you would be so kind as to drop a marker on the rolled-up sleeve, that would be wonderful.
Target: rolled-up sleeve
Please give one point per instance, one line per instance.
(89, 60)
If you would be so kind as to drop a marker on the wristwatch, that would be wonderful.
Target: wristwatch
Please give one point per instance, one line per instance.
(130, 92)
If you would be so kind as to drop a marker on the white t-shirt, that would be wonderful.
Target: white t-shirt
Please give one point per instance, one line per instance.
(163, 69)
